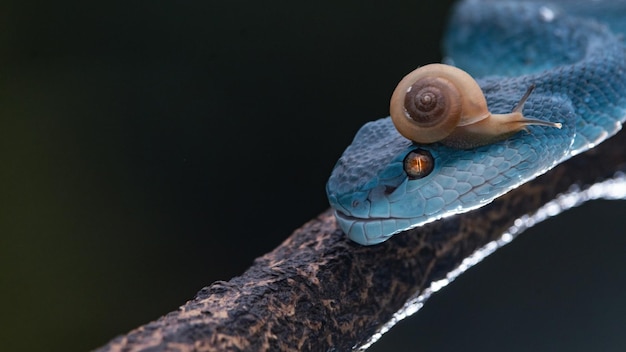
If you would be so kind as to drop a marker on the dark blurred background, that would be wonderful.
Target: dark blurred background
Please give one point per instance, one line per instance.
(151, 148)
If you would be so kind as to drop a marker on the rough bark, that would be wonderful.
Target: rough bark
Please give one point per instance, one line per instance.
(320, 292)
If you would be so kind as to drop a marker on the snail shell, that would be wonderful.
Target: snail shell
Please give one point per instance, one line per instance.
(441, 103)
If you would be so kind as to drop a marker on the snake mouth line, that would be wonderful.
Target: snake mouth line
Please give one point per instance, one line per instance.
(347, 217)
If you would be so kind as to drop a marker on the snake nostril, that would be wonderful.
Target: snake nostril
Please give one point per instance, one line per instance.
(355, 203)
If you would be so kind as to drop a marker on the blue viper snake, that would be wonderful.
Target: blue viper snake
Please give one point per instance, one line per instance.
(571, 52)
(413, 232)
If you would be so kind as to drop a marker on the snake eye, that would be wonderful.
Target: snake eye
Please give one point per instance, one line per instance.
(418, 163)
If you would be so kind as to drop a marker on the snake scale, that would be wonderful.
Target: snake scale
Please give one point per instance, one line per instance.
(572, 52)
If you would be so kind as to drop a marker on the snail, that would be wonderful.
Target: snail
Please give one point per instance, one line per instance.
(442, 103)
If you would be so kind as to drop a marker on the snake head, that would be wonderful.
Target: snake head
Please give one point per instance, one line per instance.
(367, 173)
(375, 196)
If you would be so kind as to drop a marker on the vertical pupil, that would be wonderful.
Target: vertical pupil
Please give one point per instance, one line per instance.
(418, 163)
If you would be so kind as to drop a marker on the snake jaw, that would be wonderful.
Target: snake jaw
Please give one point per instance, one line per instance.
(368, 231)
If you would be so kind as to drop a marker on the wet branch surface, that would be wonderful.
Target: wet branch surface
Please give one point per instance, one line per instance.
(318, 291)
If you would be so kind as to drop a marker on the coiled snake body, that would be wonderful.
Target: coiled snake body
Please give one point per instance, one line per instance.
(568, 50)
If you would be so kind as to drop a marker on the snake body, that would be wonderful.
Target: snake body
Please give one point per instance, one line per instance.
(568, 50)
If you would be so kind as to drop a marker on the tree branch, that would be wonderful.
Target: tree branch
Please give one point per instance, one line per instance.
(319, 291)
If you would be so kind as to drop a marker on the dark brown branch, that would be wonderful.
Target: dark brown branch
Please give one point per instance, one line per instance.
(318, 291)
